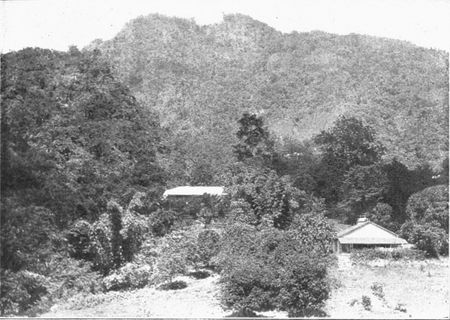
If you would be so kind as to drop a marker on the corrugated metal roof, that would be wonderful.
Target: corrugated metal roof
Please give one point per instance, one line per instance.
(194, 191)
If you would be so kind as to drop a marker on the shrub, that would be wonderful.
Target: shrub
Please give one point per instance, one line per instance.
(67, 277)
(78, 240)
(177, 252)
(100, 246)
(366, 303)
(427, 237)
(377, 290)
(207, 246)
(264, 198)
(401, 307)
(314, 232)
(428, 205)
(133, 234)
(20, 291)
(129, 276)
(174, 285)
(365, 255)
(199, 274)
(161, 222)
(270, 269)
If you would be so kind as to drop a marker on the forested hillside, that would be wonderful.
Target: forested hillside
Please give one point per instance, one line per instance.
(300, 129)
(200, 79)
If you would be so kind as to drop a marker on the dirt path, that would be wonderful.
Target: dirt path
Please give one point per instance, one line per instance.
(197, 300)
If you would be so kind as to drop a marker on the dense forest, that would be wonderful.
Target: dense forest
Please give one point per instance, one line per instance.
(301, 128)
(200, 79)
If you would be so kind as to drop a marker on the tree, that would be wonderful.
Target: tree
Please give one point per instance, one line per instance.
(382, 214)
(261, 198)
(347, 144)
(362, 188)
(429, 206)
(254, 140)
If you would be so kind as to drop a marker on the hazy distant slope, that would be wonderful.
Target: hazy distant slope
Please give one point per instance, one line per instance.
(201, 78)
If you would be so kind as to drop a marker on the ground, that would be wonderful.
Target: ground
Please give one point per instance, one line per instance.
(419, 288)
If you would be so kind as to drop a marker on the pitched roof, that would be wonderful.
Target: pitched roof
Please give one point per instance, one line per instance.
(345, 236)
(373, 240)
(194, 191)
(352, 228)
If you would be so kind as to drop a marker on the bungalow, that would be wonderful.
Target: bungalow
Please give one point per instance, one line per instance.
(366, 234)
(188, 191)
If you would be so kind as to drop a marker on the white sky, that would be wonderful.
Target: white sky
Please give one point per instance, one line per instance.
(57, 24)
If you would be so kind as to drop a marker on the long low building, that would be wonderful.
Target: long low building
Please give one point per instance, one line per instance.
(186, 191)
(366, 234)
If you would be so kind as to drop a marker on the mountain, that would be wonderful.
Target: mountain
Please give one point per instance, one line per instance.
(200, 79)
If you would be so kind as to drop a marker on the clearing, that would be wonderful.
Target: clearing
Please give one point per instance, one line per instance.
(418, 288)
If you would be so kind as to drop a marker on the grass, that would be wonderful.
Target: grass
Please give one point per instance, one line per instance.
(397, 289)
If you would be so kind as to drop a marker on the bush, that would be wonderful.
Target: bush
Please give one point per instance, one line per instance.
(161, 222)
(377, 290)
(366, 303)
(428, 238)
(428, 205)
(199, 274)
(401, 307)
(78, 240)
(100, 246)
(177, 252)
(365, 255)
(20, 291)
(207, 246)
(174, 285)
(133, 233)
(130, 276)
(270, 269)
(67, 277)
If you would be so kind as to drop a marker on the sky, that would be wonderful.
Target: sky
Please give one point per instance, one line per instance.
(57, 24)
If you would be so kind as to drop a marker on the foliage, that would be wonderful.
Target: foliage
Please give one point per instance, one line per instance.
(161, 222)
(27, 235)
(382, 214)
(314, 232)
(78, 240)
(299, 82)
(365, 255)
(135, 228)
(401, 307)
(30, 293)
(253, 140)
(67, 277)
(366, 302)
(348, 144)
(427, 226)
(177, 253)
(272, 269)
(377, 290)
(362, 188)
(261, 198)
(20, 291)
(430, 205)
(174, 285)
(129, 276)
(427, 237)
(207, 246)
